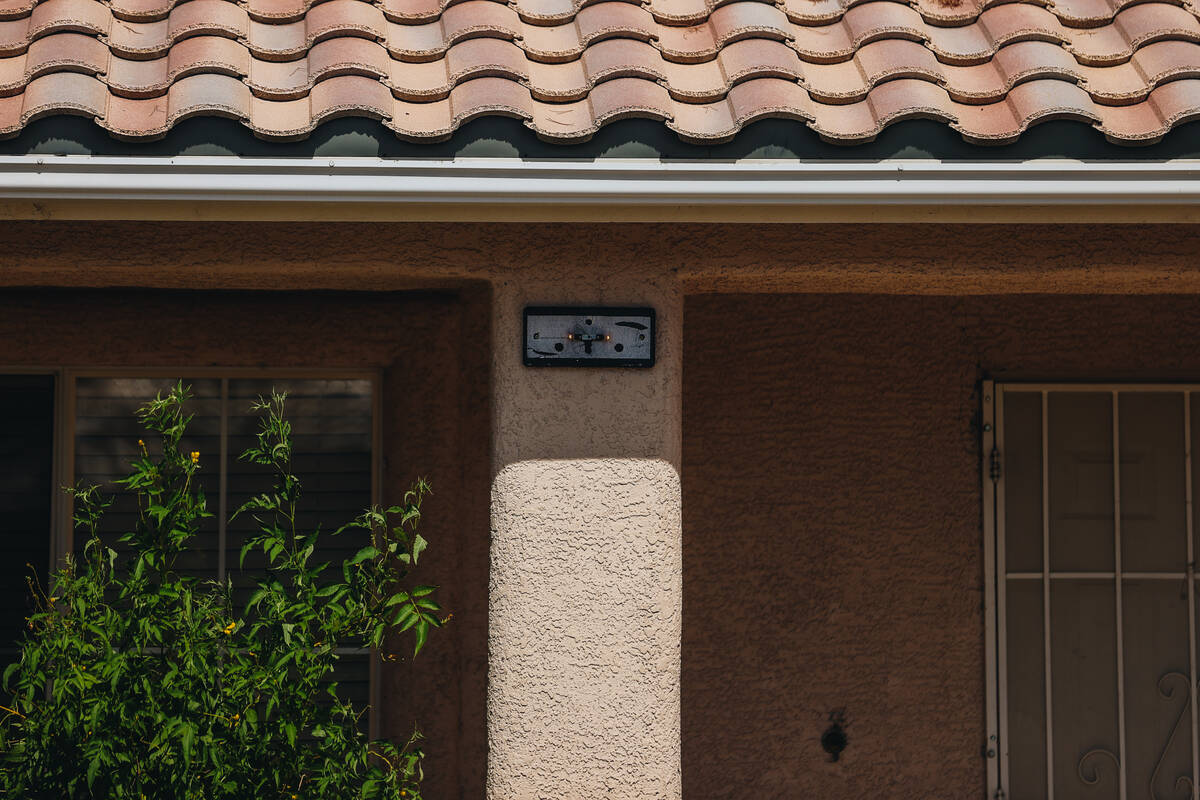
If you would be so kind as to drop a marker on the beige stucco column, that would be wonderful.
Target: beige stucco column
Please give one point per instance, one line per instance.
(585, 595)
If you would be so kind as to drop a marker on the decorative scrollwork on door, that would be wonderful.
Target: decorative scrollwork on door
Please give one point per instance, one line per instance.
(1169, 686)
(1167, 691)
(1089, 770)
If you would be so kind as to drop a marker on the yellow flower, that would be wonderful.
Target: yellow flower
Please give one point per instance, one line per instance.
(141, 443)
(229, 628)
(195, 456)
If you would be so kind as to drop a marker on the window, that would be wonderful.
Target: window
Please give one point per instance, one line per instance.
(26, 496)
(1091, 589)
(334, 425)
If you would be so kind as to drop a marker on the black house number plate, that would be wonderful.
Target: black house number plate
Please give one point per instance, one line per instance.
(588, 336)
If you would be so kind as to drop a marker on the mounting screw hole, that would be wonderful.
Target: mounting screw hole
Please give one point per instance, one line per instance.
(558, 346)
(641, 337)
(587, 322)
(618, 347)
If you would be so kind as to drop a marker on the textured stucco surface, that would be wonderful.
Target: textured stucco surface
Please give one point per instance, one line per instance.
(908, 259)
(552, 412)
(585, 600)
(832, 523)
(585, 627)
(435, 421)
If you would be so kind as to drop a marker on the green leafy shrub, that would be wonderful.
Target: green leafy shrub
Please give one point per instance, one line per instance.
(137, 682)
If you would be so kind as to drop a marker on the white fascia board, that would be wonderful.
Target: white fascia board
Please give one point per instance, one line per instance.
(602, 182)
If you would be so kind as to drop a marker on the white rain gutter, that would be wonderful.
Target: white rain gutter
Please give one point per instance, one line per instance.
(613, 183)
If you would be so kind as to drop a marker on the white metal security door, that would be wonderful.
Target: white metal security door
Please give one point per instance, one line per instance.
(1091, 588)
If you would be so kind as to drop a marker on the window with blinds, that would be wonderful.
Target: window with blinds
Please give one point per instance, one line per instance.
(1093, 601)
(333, 431)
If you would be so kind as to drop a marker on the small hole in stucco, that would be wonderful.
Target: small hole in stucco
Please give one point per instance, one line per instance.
(834, 740)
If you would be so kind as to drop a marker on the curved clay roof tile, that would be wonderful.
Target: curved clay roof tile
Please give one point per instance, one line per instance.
(705, 68)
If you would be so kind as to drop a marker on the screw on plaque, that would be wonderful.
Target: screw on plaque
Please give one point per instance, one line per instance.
(588, 339)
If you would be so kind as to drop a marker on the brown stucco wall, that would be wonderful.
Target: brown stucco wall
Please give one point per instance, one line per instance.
(435, 407)
(831, 500)
(832, 523)
(890, 259)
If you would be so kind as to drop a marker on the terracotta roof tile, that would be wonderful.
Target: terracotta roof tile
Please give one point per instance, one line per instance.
(680, 12)
(705, 68)
(1086, 13)
(16, 9)
(547, 12)
(763, 97)
(63, 92)
(1173, 103)
(66, 52)
(275, 10)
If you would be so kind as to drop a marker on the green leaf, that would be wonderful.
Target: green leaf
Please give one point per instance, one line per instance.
(418, 546)
(422, 633)
(186, 740)
(257, 596)
(364, 554)
(405, 618)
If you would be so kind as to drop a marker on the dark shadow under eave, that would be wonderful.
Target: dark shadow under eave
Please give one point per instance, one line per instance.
(502, 137)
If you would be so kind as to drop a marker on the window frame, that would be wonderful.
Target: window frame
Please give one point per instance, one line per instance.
(993, 476)
(62, 533)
